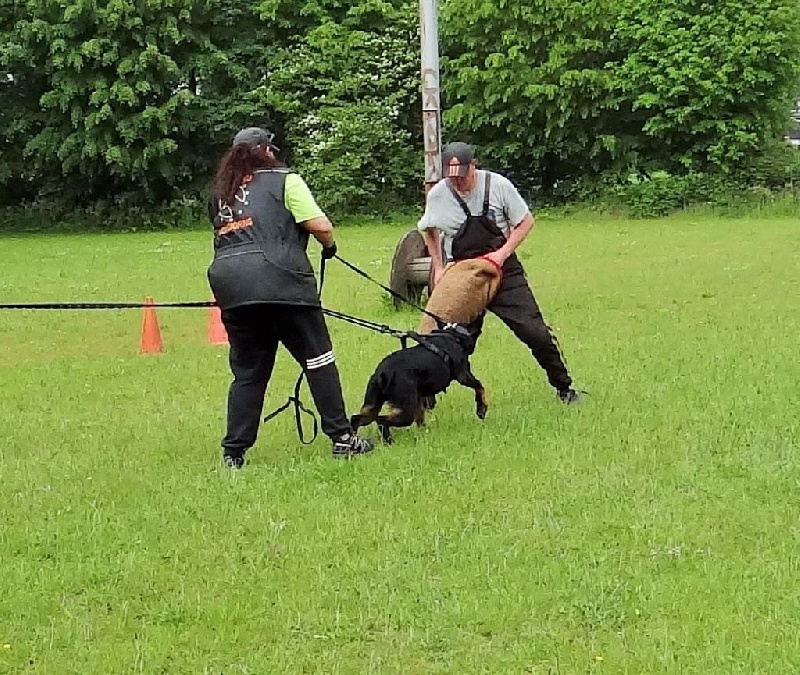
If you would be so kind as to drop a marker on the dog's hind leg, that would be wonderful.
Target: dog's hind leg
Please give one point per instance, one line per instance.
(373, 401)
(398, 416)
(420, 418)
(386, 433)
(429, 402)
(365, 416)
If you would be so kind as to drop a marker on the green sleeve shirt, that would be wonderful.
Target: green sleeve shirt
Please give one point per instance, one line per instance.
(298, 199)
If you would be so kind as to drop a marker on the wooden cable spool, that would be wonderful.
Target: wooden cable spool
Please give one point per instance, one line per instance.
(411, 268)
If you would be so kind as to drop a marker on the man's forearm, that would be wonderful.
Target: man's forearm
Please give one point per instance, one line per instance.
(431, 238)
(516, 236)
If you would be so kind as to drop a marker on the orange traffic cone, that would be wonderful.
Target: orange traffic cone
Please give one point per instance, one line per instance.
(151, 335)
(217, 335)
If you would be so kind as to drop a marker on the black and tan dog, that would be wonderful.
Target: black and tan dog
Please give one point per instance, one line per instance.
(461, 296)
(405, 378)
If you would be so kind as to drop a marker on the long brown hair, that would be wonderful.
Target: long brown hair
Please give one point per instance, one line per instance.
(239, 161)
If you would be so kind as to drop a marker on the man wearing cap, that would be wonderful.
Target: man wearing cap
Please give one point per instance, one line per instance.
(481, 214)
(265, 286)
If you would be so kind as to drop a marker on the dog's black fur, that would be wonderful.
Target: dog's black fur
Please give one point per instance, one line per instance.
(408, 378)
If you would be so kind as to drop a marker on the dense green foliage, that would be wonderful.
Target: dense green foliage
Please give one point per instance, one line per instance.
(130, 96)
(347, 88)
(129, 103)
(580, 88)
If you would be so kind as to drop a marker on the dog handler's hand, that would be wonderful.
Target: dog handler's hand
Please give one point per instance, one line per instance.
(329, 251)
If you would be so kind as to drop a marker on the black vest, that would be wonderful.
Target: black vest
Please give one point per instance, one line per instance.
(259, 249)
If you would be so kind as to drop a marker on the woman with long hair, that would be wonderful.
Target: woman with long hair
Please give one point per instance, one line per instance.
(261, 278)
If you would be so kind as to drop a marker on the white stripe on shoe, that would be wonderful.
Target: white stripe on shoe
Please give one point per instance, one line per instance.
(320, 361)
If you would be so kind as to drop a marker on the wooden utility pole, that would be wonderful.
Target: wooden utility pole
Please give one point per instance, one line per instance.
(431, 101)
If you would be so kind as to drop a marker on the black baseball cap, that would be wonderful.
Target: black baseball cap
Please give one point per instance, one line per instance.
(256, 136)
(463, 156)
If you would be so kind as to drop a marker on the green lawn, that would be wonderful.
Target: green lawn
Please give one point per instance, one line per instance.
(655, 529)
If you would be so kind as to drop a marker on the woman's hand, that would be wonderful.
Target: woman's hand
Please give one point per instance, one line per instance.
(329, 251)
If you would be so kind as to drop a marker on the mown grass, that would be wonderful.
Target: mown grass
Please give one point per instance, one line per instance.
(652, 530)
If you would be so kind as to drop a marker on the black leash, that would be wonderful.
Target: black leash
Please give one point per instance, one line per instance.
(298, 408)
(364, 323)
(104, 305)
(294, 399)
(403, 336)
(440, 322)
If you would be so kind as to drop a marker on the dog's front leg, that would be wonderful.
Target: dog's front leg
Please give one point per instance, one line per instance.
(466, 378)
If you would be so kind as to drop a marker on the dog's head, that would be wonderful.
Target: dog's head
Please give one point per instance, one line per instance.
(466, 337)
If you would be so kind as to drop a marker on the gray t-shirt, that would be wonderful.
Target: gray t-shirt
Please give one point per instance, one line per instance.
(443, 212)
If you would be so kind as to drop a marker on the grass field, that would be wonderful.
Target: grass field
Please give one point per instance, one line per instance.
(655, 529)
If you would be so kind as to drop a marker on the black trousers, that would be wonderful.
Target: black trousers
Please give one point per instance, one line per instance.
(254, 332)
(516, 307)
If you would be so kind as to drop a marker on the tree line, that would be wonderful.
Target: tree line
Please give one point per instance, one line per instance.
(131, 102)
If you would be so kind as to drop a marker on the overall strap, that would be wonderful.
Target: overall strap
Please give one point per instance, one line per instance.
(460, 201)
(463, 204)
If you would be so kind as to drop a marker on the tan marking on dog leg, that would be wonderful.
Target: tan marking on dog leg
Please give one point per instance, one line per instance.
(481, 403)
(367, 415)
(420, 418)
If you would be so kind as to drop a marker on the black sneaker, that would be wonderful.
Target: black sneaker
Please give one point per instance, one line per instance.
(233, 461)
(350, 444)
(571, 396)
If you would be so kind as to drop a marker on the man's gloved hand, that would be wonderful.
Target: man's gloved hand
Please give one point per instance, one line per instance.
(329, 251)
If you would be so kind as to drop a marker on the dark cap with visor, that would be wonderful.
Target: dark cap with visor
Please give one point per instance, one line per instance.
(456, 159)
(255, 136)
